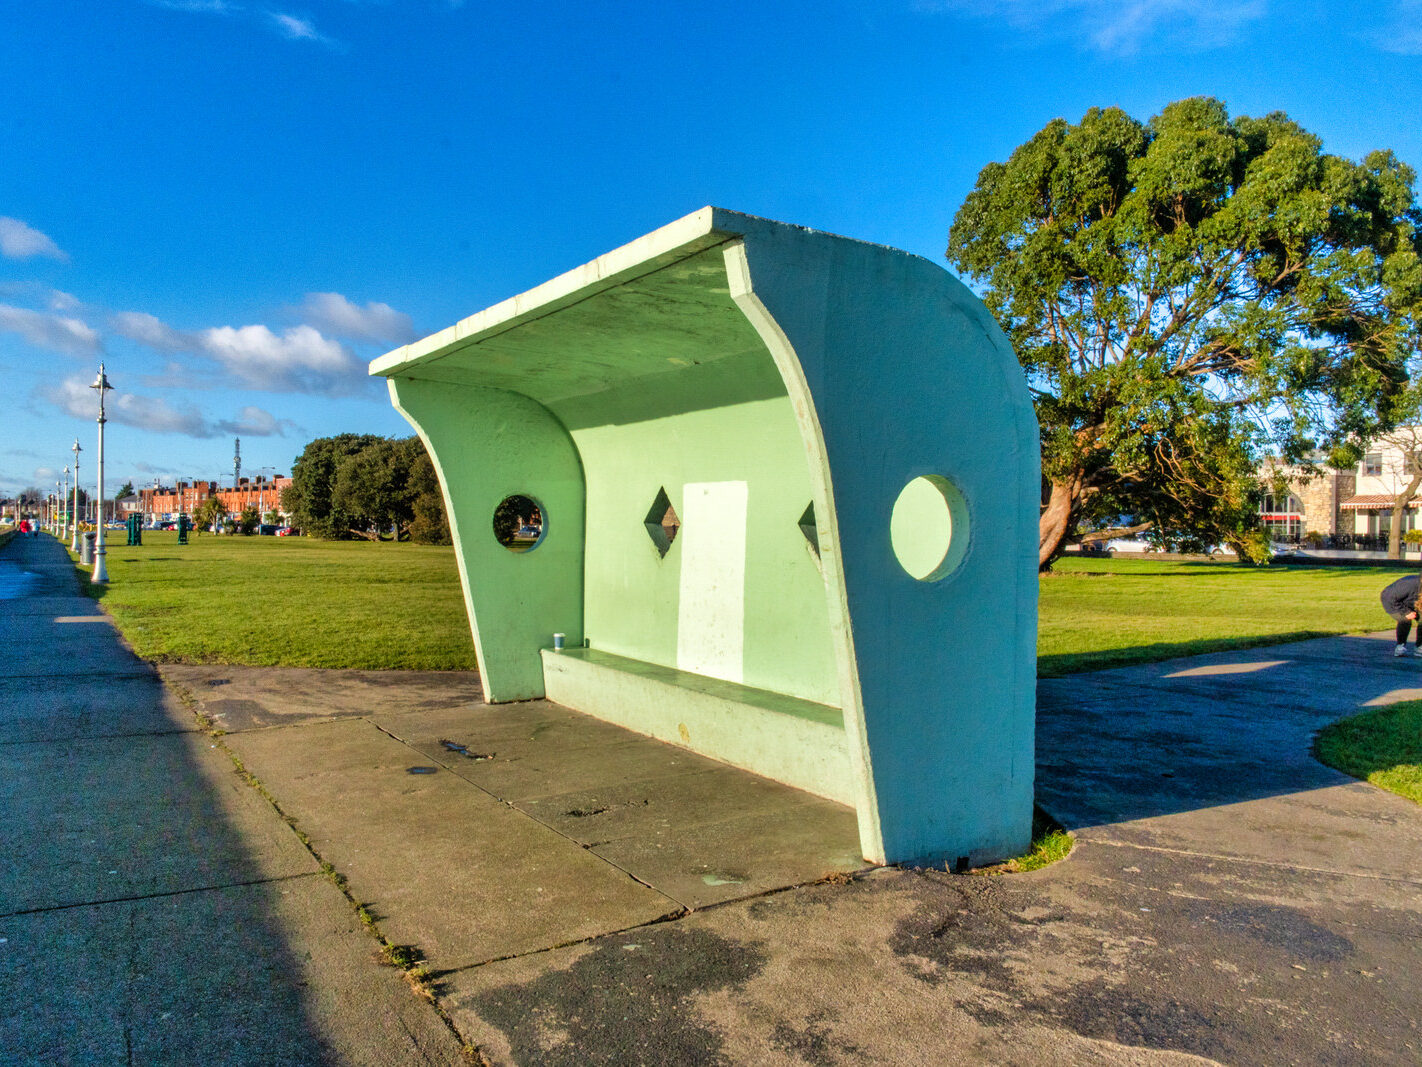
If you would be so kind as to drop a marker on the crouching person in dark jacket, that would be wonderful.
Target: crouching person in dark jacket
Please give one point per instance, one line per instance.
(1400, 601)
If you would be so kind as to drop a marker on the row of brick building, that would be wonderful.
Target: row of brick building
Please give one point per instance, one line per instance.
(165, 503)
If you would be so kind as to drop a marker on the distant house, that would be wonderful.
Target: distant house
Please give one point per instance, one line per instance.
(1352, 506)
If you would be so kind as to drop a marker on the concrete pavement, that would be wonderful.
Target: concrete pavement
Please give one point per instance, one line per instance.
(587, 896)
(154, 908)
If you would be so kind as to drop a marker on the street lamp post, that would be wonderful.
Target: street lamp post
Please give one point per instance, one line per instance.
(101, 572)
(74, 545)
(64, 512)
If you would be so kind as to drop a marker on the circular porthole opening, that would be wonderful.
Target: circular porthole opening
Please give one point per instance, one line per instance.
(519, 523)
(929, 528)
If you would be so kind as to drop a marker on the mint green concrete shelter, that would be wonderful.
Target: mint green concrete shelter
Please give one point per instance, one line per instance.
(848, 604)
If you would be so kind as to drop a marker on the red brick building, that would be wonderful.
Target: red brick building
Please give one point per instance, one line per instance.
(164, 504)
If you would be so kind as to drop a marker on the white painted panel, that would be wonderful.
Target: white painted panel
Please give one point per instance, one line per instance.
(711, 619)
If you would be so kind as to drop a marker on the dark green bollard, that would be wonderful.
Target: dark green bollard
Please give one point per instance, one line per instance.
(182, 529)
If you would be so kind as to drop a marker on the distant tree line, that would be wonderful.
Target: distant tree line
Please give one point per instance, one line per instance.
(364, 486)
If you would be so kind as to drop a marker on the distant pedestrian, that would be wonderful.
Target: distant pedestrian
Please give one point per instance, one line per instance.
(1400, 601)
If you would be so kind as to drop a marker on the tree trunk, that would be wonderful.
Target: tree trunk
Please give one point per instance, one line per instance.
(1055, 520)
(1399, 507)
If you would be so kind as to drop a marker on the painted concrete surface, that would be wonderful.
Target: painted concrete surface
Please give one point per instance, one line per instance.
(153, 908)
(751, 373)
(785, 739)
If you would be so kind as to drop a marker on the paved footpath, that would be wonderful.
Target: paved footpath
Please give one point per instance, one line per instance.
(154, 909)
(588, 897)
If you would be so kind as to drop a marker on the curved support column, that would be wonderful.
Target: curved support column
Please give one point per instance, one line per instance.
(488, 444)
(898, 372)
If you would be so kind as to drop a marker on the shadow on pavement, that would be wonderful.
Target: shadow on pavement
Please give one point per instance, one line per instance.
(1178, 736)
(153, 907)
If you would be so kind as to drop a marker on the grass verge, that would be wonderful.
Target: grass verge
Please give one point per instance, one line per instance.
(1050, 843)
(1096, 614)
(288, 602)
(1383, 747)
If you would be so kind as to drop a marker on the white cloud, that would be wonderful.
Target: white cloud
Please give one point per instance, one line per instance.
(1402, 30)
(253, 421)
(300, 360)
(150, 330)
(297, 29)
(1116, 26)
(62, 301)
(59, 333)
(20, 241)
(75, 397)
(201, 7)
(336, 315)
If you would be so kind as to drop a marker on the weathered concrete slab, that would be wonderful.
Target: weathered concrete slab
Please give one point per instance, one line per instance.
(691, 828)
(441, 863)
(1119, 956)
(492, 728)
(114, 818)
(276, 973)
(244, 698)
(659, 806)
(708, 863)
(525, 770)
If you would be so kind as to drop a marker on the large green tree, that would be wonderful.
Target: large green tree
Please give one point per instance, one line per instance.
(365, 486)
(373, 486)
(309, 499)
(1186, 295)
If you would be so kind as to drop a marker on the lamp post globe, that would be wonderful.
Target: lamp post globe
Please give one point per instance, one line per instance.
(101, 571)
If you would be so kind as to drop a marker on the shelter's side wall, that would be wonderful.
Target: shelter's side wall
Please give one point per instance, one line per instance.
(488, 444)
(910, 376)
(739, 595)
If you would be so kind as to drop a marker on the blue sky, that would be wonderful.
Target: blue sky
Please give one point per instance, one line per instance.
(237, 203)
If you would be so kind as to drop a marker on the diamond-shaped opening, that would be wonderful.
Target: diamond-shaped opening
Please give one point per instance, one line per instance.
(810, 529)
(662, 523)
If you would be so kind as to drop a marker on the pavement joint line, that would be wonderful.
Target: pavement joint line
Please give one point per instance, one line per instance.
(159, 895)
(175, 732)
(1253, 862)
(674, 916)
(415, 972)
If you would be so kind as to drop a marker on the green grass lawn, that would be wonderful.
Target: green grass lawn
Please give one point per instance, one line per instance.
(300, 602)
(1108, 613)
(1383, 747)
(288, 601)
